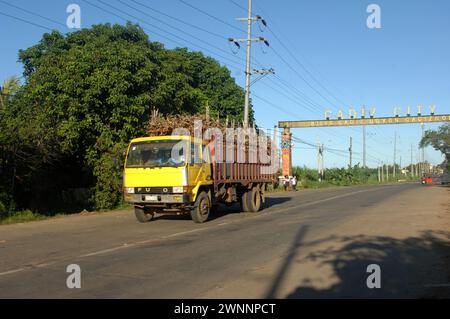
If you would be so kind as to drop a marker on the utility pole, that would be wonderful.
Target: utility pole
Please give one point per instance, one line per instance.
(319, 151)
(322, 163)
(395, 152)
(247, 64)
(250, 19)
(412, 171)
(364, 146)
(422, 170)
(418, 165)
(387, 172)
(382, 171)
(350, 153)
(379, 174)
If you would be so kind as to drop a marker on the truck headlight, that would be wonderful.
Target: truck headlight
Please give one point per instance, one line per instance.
(129, 190)
(177, 189)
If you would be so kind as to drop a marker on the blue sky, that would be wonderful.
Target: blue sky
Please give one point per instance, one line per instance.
(339, 62)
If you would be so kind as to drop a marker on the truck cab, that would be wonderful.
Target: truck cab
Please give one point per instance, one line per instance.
(165, 174)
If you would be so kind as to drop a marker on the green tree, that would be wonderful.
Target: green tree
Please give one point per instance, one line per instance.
(7, 90)
(439, 140)
(190, 81)
(85, 95)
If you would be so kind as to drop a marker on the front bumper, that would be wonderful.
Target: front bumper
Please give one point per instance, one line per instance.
(158, 199)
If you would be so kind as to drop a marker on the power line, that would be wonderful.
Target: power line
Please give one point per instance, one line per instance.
(305, 97)
(179, 20)
(159, 34)
(274, 105)
(26, 21)
(33, 13)
(277, 38)
(165, 23)
(300, 93)
(310, 105)
(293, 56)
(218, 19)
(301, 77)
(334, 151)
(304, 67)
(325, 130)
(238, 5)
(289, 97)
(210, 15)
(248, 41)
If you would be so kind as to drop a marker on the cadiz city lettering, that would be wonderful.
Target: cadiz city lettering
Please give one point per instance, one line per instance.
(353, 114)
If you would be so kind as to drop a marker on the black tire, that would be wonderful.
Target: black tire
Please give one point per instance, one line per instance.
(202, 208)
(142, 215)
(244, 201)
(254, 200)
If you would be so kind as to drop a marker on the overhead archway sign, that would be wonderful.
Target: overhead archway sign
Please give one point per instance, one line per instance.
(366, 121)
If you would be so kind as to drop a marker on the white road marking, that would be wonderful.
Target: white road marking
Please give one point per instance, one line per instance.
(315, 202)
(183, 233)
(129, 245)
(126, 245)
(99, 252)
(11, 271)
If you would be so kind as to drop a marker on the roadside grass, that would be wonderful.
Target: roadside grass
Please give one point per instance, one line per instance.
(25, 216)
(21, 217)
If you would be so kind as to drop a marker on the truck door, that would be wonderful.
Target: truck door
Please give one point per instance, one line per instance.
(195, 164)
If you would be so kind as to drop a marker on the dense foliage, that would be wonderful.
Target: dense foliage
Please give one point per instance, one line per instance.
(440, 140)
(85, 95)
(309, 178)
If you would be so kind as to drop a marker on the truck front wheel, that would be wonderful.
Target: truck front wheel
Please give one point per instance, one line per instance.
(142, 215)
(202, 207)
(254, 200)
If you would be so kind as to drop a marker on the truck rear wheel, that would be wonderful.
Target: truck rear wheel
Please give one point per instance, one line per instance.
(244, 201)
(254, 200)
(142, 215)
(202, 207)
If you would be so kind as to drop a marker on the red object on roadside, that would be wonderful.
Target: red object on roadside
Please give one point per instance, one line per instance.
(427, 180)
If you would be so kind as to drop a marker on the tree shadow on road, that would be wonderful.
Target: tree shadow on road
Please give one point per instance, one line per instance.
(414, 267)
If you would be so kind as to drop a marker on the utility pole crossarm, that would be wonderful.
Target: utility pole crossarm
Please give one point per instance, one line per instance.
(234, 40)
(262, 73)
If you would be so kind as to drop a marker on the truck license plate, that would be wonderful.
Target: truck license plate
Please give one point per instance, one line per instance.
(151, 197)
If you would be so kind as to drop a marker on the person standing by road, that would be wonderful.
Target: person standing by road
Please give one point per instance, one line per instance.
(294, 183)
(286, 182)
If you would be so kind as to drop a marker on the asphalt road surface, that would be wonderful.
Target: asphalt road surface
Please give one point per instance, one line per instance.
(304, 244)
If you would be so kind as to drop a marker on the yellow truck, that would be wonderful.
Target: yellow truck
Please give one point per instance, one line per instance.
(193, 183)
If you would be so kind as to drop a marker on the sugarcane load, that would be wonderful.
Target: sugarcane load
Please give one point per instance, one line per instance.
(190, 164)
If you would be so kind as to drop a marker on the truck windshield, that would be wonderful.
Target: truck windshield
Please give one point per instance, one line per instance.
(156, 153)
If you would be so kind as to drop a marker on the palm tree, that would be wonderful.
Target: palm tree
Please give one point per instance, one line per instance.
(9, 87)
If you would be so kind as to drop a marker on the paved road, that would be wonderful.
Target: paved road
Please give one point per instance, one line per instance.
(310, 243)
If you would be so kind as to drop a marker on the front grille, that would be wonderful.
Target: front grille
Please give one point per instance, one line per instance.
(153, 190)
